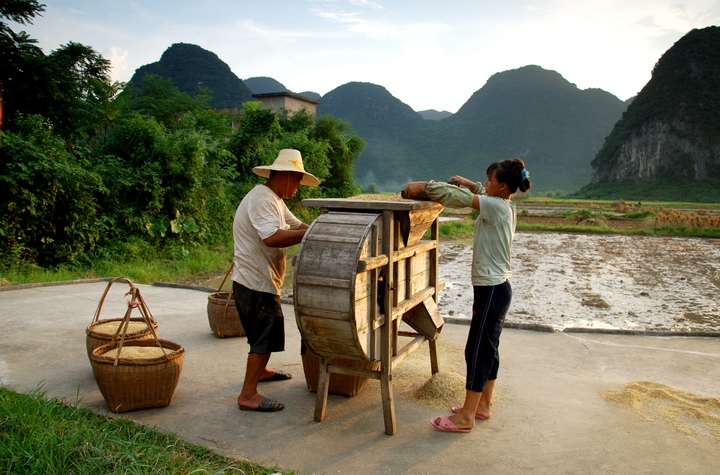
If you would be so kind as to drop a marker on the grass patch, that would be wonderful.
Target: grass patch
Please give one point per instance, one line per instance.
(457, 229)
(43, 435)
(143, 266)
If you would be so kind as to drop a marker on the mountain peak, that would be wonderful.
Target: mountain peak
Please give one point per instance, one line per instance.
(671, 130)
(190, 66)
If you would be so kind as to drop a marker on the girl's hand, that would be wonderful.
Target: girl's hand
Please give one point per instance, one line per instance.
(462, 181)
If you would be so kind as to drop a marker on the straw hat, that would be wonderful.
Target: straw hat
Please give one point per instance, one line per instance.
(288, 160)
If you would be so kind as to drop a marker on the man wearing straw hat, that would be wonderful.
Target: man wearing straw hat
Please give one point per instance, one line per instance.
(262, 229)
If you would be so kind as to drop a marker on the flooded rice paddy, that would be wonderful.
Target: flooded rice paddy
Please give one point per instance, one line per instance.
(623, 282)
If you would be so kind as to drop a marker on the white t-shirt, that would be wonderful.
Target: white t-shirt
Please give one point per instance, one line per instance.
(260, 215)
(492, 241)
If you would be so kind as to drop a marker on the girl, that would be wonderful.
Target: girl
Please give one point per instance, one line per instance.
(492, 245)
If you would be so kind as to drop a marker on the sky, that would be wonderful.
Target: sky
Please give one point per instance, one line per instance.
(429, 54)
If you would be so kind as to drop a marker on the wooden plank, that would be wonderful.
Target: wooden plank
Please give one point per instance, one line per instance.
(414, 224)
(359, 372)
(434, 364)
(346, 204)
(337, 348)
(323, 282)
(349, 217)
(325, 303)
(321, 313)
(370, 263)
(332, 234)
(425, 319)
(322, 391)
(407, 304)
(322, 259)
(406, 350)
(416, 249)
(326, 327)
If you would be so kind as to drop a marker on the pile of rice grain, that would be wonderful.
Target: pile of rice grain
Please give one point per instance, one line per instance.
(110, 328)
(414, 380)
(137, 352)
(689, 413)
(378, 197)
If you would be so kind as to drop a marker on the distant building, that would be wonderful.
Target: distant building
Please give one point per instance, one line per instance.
(287, 100)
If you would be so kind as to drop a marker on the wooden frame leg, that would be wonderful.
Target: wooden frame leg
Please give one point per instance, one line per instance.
(387, 334)
(388, 399)
(322, 390)
(387, 331)
(434, 366)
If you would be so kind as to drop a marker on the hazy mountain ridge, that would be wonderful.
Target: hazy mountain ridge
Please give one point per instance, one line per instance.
(264, 85)
(528, 112)
(432, 114)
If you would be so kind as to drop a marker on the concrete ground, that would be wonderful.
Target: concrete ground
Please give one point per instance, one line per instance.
(550, 417)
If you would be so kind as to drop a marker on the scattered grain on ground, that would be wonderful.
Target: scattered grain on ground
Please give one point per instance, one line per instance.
(689, 413)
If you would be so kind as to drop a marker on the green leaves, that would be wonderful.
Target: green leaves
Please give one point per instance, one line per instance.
(48, 205)
(158, 227)
(181, 224)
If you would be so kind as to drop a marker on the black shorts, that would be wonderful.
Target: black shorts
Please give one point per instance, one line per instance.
(262, 319)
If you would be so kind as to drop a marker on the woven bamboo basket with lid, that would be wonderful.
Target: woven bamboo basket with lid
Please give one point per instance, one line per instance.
(103, 331)
(130, 376)
(222, 313)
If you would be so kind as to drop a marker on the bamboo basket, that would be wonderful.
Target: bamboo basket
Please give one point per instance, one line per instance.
(341, 384)
(99, 331)
(129, 382)
(222, 314)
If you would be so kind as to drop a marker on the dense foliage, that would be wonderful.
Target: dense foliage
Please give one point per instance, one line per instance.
(102, 167)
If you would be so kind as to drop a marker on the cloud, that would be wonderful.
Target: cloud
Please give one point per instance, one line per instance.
(118, 59)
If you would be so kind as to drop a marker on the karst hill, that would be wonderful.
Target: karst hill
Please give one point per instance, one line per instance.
(667, 143)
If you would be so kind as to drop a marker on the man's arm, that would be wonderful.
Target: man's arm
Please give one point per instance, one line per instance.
(286, 237)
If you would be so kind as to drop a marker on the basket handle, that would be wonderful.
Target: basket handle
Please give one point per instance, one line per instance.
(136, 301)
(107, 289)
(232, 264)
(227, 298)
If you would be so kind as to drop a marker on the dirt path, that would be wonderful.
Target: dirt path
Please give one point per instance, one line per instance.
(565, 280)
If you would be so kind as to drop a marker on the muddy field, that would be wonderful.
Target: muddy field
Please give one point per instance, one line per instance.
(573, 280)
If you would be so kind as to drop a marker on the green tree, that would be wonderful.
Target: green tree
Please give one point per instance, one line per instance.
(65, 87)
(161, 99)
(48, 210)
(329, 150)
(343, 152)
(253, 143)
(17, 50)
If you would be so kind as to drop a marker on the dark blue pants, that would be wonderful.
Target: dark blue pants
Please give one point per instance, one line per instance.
(490, 306)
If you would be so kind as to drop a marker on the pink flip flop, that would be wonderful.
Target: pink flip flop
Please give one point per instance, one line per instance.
(446, 425)
(457, 409)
